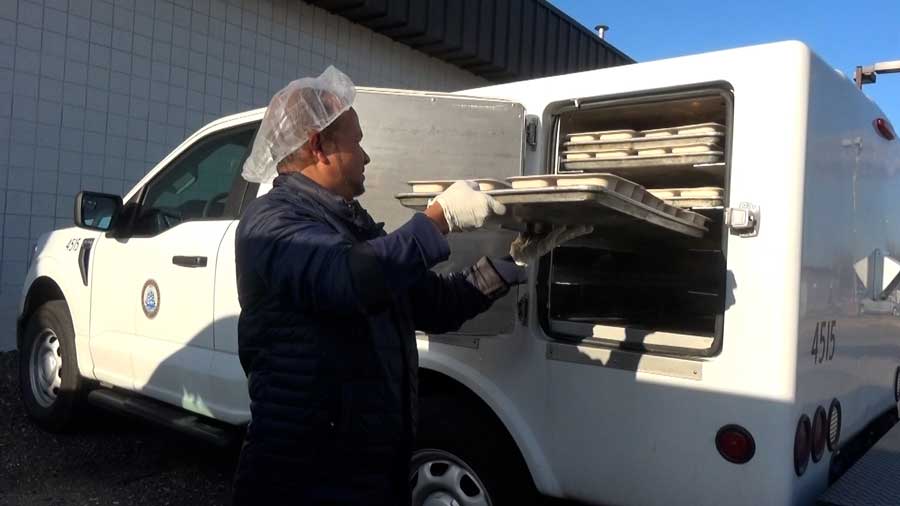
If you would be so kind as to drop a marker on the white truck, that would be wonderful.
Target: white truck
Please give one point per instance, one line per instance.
(632, 369)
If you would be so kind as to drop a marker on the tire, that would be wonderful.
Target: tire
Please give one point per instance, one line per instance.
(464, 455)
(49, 383)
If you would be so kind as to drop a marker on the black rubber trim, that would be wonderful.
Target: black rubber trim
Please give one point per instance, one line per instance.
(237, 197)
(736, 428)
(897, 385)
(84, 259)
(250, 192)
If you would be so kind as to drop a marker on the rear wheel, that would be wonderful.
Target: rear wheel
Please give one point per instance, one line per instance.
(49, 382)
(466, 458)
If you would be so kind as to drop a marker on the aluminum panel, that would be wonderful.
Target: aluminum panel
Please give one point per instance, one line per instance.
(436, 136)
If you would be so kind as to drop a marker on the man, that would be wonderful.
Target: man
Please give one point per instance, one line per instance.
(330, 305)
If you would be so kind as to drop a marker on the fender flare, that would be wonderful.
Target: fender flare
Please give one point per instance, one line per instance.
(46, 281)
(504, 409)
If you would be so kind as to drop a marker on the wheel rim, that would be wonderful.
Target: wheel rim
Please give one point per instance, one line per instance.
(46, 368)
(439, 478)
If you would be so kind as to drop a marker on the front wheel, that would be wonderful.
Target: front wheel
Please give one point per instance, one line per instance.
(464, 457)
(49, 383)
(440, 478)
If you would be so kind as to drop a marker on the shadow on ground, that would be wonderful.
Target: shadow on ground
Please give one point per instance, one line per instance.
(109, 460)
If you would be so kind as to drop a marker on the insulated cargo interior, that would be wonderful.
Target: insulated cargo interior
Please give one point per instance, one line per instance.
(632, 285)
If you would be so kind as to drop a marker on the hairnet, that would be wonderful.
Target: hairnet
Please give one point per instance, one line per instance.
(303, 107)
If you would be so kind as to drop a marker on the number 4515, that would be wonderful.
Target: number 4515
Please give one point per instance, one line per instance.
(824, 341)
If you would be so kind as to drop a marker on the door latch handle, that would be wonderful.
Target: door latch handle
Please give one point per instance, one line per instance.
(743, 221)
(189, 261)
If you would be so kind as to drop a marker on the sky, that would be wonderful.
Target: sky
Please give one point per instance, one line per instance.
(844, 33)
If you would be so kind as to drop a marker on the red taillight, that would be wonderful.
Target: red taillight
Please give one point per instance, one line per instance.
(884, 128)
(818, 434)
(802, 445)
(735, 444)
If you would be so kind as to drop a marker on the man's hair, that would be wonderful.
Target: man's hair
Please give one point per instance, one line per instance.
(303, 155)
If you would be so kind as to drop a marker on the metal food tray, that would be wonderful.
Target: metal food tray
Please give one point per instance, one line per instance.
(676, 130)
(585, 204)
(658, 175)
(484, 184)
(636, 162)
(613, 183)
(646, 142)
(681, 197)
(600, 133)
(693, 203)
(595, 152)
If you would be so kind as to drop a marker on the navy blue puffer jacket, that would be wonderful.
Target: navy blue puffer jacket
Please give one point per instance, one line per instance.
(329, 309)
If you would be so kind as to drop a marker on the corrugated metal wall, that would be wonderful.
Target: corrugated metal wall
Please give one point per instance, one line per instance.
(501, 40)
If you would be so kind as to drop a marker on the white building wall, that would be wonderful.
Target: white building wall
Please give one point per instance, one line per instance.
(93, 93)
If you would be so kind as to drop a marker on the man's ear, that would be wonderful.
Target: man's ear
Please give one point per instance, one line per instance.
(316, 148)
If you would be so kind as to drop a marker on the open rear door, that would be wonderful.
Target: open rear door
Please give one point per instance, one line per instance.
(416, 136)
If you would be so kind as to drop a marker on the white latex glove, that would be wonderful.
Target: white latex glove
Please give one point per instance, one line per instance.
(466, 207)
(528, 248)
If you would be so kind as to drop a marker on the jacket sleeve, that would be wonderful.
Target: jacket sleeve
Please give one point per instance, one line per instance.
(443, 302)
(320, 270)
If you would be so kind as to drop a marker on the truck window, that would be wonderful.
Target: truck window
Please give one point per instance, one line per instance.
(196, 186)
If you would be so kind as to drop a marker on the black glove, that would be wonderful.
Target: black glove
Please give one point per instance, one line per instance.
(494, 277)
(511, 273)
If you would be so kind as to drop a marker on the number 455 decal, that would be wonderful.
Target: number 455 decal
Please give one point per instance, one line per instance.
(824, 341)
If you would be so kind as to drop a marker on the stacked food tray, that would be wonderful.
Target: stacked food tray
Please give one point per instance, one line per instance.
(611, 183)
(439, 185)
(694, 144)
(701, 197)
(596, 199)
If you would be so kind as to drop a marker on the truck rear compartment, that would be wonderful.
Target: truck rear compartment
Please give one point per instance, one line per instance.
(634, 286)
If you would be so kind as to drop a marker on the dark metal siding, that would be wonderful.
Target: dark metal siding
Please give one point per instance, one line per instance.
(500, 40)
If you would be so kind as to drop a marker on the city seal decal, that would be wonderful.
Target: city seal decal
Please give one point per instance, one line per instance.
(150, 299)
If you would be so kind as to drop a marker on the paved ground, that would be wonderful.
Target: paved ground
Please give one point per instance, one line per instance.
(112, 460)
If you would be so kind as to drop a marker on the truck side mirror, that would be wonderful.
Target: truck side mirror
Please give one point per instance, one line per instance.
(97, 211)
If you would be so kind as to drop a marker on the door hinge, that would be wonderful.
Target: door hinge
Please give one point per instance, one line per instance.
(531, 132)
(743, 221)
(522, 310)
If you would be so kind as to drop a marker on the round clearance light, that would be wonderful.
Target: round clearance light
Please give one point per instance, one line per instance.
(884, 128)
(834, 425)
(818, 434)
(735, 444)
(802, 445)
